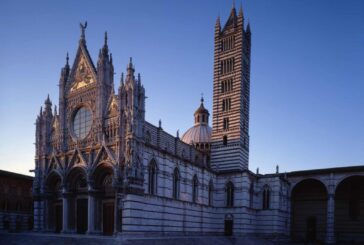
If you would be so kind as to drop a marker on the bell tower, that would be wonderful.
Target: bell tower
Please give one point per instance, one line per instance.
(231, 88)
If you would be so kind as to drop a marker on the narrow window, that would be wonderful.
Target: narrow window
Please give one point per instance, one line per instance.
(266, 197)
(224, 140)
(251, 195)
(226, 123)
(229, 194)
(176, 180)
(152, 177)
(194, 189)
(211, 189)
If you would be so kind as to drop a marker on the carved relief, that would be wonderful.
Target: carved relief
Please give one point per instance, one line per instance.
(83, 76)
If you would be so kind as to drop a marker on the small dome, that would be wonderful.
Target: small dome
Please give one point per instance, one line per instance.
(201, 132)
(197, 134)
(202, 109)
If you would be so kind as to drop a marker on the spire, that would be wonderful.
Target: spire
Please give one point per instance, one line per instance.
(248, 28)
(130, 65)
(83, 37)
(67, 59)
(65, 70)
(130, 70)
(47, 101)
(41, 111)
(122, 79)
(241, 11)
(105, 48)
(105, 39)
(217, 21)
(232, 20)
(48, 106)
(110, 58)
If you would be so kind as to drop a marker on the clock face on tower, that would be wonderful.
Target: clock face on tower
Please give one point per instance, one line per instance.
(81, 122)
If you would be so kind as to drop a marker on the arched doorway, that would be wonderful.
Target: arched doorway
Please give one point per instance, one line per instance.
(228, 225)
(105, 214)
(309, 205)
(78, 201)
(54, 203)
(349, 209)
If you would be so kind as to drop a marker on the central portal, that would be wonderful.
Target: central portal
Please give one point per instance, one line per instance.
(81, 216)
(58, 217)
(108, 218)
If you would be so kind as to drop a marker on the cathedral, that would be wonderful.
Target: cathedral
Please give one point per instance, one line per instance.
(101, 168)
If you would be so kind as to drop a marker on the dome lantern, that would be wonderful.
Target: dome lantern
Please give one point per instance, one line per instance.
(201, 115)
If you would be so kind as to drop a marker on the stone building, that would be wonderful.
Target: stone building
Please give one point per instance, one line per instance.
(101, 168)
(16, 202)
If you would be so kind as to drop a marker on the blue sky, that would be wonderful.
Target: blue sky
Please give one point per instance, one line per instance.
(307, 77)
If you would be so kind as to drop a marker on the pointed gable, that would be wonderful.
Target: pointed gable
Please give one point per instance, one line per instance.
(83, 72)
(232, 21)
(112, 106)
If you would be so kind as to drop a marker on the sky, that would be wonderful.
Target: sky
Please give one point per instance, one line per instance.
(307, 70)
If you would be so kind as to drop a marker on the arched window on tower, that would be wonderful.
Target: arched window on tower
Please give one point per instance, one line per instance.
(194, 188)
(229, 194)
(176, 183)
(152, 184)
(211, 191)
(266, 197)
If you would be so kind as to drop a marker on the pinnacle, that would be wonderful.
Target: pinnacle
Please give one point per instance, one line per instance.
(241, 11)
(47, 101)
(248, 27)
(130, 65)
(67, 59)
(218, 20)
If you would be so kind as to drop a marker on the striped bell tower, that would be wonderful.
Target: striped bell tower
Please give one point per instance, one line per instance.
(230, 132)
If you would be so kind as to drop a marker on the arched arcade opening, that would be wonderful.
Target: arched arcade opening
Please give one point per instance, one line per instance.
(349, 210)
(309, 205)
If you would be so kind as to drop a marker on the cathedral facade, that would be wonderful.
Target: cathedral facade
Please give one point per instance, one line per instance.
(101, 168)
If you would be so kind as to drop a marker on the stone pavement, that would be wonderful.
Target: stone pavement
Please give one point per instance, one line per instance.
(55, 239)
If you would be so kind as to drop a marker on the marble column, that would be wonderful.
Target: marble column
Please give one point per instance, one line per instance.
(47, 217)
(91, 213)
(330, 234)
(65, 213)
(330, 222)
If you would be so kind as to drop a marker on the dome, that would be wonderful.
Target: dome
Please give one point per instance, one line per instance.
(197, 134)
(201, 131)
